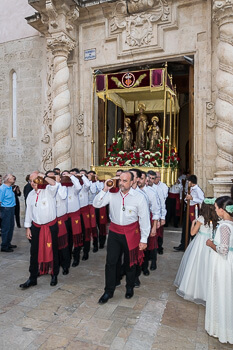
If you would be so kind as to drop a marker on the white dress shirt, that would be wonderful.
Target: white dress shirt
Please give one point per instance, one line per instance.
(41, 206)
(164, 189)
(92, 192)
(61, 200)
(136, 209)
(154, 202)
(163, 210)
(83, 194)
(73, 203)
(197, 194)
(176, 188)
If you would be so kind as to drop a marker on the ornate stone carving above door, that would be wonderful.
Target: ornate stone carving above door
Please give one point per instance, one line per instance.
(136, 25)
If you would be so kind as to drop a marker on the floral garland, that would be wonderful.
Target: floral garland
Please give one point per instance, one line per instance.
(116, 156)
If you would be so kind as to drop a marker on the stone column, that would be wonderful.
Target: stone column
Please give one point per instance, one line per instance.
(61, 45)
(223, 15)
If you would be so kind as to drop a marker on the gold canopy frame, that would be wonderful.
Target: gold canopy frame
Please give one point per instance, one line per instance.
(161, 98)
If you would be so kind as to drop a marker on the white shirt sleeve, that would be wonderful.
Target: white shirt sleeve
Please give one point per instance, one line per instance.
(76, 184)
(86, 183)
(101, 199)
(62, 191)
(144, 220)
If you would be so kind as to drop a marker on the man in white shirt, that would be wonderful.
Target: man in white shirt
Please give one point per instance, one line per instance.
(42, 230)
(154, 207)
(73, 211)
(173, 203)
(196, 197)
(128, 232)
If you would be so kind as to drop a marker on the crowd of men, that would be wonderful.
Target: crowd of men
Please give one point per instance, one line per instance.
(67, 211)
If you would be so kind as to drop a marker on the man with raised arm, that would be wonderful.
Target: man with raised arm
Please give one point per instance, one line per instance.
(128, 232)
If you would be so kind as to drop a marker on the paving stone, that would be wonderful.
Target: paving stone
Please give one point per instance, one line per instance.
(68, 316)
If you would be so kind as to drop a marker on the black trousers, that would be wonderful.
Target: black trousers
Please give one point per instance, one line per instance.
(100, 238)
(171, 211)
(64, 254)
(17, 213)
(182, 242)
(33, 268)
(149, 255)
(117, 245)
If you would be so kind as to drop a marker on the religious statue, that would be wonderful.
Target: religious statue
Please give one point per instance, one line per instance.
(141, 127)
(154, 133)
(127, 135)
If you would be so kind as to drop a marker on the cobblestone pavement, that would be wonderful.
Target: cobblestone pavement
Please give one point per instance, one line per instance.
(68, 316)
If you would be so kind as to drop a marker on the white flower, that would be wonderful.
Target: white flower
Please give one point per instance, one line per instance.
(128, 162)
(121, 152)
(113, 140)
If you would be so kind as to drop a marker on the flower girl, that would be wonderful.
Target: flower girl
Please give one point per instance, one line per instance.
(192, 276)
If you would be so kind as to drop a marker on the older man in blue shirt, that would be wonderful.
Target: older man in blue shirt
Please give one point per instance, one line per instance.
(7, 208)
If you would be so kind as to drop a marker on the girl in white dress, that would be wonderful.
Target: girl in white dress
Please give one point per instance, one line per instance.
(192, 276)
(219, 302)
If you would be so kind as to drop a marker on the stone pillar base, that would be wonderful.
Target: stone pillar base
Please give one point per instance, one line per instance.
(222, 183)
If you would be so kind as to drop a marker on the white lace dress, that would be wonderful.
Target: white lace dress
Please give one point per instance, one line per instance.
(219, 303)
(192, 276)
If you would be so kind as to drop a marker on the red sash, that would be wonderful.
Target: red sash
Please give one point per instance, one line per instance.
(160, 232)
(62, 232)
(114, 190)
(93, 221)
(45, 251)
(191, 212)
(85, 212)
(132, 235)
(152, 242)
(76, 228)
(177, 198)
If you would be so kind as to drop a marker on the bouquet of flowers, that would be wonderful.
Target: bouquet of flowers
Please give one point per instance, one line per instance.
(116, 156)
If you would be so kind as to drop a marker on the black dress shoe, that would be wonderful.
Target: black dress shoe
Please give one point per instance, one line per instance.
(146, 272)
(65, 271)
(153, 266)
(12, 246)
(75, 263)
(101, 246)
(137, 282)
(129, 293)
(53, 281)
(160, 251)
(85, 256)
(104, 298)
(95, 249)
(7, 250)
(180, 248)
(28, 283)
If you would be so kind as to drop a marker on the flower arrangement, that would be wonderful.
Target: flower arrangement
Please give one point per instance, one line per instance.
(116, 156)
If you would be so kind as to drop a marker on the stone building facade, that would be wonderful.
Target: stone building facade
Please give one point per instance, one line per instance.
(49, 113)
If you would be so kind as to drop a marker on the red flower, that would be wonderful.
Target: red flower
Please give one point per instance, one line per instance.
(133, 161)
(137, 161)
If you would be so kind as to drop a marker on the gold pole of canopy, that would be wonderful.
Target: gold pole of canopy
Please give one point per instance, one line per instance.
(115, 120)
(92, 123)
(174, 132)
(170, 128)
(105, 125)
(164, 113)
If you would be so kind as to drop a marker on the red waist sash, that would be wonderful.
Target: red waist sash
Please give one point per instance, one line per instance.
(76, 228)
(132, 235)
(177, 198)
(62, 232)
(45, 251)
(191, 212)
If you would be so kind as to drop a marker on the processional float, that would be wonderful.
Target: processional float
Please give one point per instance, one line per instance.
(140, 93)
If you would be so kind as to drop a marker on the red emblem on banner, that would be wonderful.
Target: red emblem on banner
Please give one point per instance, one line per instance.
(128, 80)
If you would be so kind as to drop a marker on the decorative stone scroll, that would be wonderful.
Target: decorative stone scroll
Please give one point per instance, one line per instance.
(210, 115)
(223, 15)
(80, 124)
(135, 20)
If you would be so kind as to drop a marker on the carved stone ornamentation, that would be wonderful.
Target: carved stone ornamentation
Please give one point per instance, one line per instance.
(135, 20)
(47, 119)
(210, 115)
(80, 124)
(223, 15)
(47, 158)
